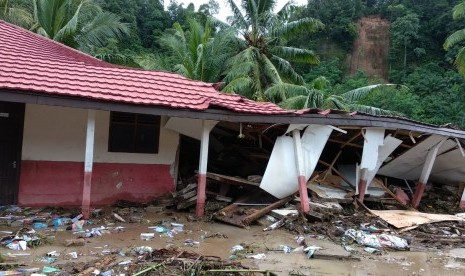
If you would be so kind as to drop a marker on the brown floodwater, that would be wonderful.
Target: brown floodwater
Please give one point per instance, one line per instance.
(448, 262)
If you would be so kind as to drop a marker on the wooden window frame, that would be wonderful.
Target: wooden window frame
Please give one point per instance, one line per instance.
(136, 121)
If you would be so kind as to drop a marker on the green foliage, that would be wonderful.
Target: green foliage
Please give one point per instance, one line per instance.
(264, 58)
(197, 52)
(404, 31)
(458, 38)
(440, 93)
(339, 17)
(78, 24)
(16, 13)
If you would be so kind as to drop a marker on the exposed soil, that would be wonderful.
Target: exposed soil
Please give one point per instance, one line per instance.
(371, 48)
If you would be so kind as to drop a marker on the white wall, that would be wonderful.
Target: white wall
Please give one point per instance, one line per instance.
(59, 134)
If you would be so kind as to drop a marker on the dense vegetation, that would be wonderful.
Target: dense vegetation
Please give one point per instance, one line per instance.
(276, 55)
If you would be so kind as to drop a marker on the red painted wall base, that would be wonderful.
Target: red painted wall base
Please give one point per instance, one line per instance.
(201, 196)
(304, 201)
(50, 183)
(362, 186)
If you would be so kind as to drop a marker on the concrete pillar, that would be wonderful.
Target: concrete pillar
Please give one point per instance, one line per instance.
(301, 179)
(207, 126)
(462, 200)
(88, 163)
(362, 184)
(426, 171)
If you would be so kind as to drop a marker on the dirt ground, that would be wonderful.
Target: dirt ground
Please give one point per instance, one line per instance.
(217, 239)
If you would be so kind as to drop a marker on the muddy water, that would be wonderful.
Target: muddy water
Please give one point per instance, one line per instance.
(391, 263)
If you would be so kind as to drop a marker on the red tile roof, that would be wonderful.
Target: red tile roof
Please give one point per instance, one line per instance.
(29, 62)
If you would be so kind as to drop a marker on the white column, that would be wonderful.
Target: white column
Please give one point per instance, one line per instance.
(207, 126)
(301, 180)
(88, 163)
(425, 172)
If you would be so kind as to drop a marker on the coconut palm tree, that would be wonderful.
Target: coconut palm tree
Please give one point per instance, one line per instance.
(15, 14)
(457, 38)
(264, 59)
(313, 96)
(80, 24)
(199, 52)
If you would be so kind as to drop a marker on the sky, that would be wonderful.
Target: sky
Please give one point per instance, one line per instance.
(224, 10)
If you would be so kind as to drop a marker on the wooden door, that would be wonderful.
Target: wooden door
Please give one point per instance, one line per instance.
(11, 139)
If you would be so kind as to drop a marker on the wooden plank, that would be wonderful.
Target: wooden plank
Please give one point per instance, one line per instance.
(230, 180)
(258, 214)
(403, 218)
(186, 189)
(380, 184)
(338, 173)
(187, 203)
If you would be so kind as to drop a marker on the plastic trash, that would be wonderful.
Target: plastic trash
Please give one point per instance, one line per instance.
(48, 269)
(147, 236)
(300, 240)
(77, 225)
(260, 256)
(159, 229)
(125, 262)
(372, 250)
(237, 248)
(190, 242)
(48, 260)
(28, 270)
(118, 217)
(310, 250)
(143, 249)
(376, 241)
(73, 255)
(286, 249)
(39, 225)
(108, 272)
(76, 218)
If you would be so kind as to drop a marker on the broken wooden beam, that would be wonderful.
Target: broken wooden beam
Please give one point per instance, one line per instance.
(258, 214)
(231, 180)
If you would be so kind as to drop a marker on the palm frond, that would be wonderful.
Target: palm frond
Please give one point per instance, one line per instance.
(459, 11)
(153, 62)
(281, 91)
(297, 102)
(359, 93)
(240, 86)
(460, 61)
(266, 6)
(335, 102)
(237, 19)
(296, 54)
(103, 27)
(270, 70)
(320, 83)
(15, 14)
(454, 38)
(239, 70)
(291, 29)
(286, 71)
(199, 63)
(65, 34)
(372, 110)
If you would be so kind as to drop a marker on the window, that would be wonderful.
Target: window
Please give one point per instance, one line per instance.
(136, 133)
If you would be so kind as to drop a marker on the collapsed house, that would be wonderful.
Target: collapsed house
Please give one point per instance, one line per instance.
(76, 131)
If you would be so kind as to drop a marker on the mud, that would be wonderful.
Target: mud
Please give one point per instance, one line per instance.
(216, 239)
